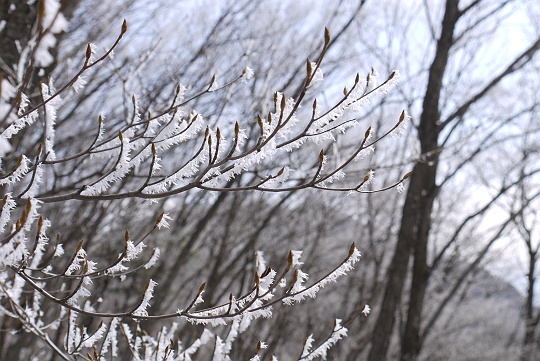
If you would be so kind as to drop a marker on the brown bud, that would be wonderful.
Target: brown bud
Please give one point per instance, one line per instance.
(289, 259)
(259, 121)
(351, 250)
(401, 117)
(88, 51)
(41, 14)
(309, 68)
(326, 36)
(295, 277)
(19, 161)
(367, 133)
(124, 26)
(79, 246)
(158, 219)
(19, 98)
(28, 206)
(266, 272)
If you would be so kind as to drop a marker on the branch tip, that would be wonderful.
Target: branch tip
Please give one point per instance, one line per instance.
(402, 116)
(158, 219)
(367, 133)
(88, 51)
(290, 259)
(326, 36)
(259, 121)
(351, 250)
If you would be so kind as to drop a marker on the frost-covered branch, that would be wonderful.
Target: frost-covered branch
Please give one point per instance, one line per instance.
(161, 149)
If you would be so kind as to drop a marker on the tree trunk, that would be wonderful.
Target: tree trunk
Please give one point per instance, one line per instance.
(428, 134)
(531, 322)
(416, 212)
(19, 19)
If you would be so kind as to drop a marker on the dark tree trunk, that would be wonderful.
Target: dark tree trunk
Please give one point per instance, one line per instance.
(531, 321)
(416, 212)
(19, 19)
(428, 134)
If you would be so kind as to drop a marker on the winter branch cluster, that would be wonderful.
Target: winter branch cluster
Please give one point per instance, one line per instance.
(130, 162)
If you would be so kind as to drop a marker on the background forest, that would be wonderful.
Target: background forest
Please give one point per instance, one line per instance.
(449, 251)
